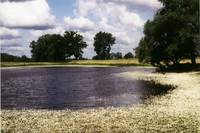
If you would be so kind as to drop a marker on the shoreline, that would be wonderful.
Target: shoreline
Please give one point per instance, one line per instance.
(173, 112)
(108, 63)
(74, 65)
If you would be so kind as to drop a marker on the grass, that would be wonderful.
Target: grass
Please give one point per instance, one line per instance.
(89, 63)
(120, 62)
(177, 111)
(188, 61)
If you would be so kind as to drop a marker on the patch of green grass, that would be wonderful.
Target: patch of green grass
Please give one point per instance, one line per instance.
(120, 62)
(198, 73)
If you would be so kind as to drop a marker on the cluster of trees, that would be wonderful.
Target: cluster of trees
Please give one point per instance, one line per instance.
(118, 55)
(54, 47)
(7, 57)
(172, 35)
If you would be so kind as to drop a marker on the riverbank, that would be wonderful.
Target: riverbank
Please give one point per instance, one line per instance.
(83, 63)
(120, 62)
(177, 111)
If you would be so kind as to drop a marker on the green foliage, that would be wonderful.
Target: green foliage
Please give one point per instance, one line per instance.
(11, 58)
(172, 35)
(55, 47)
(48, 48)
(117, 55)
(128, 55)
(102, 43)
(74, 43)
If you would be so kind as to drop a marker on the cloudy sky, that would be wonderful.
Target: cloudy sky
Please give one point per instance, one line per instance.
(22, 21)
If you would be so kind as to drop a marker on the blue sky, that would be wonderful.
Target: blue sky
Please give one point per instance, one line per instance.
(62, 8)
(22, 21)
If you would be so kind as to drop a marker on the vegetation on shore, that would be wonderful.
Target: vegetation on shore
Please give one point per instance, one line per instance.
(177, 111)
(119, 62)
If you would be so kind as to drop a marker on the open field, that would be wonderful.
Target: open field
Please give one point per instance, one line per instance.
(177, 111)
(89, 63)
(120, 62)
(76, 62)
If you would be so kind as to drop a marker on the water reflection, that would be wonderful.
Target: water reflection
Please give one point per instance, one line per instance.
(60, 88)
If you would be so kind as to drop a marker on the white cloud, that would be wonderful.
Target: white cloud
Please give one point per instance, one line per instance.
(6, 33)
(33, 14)
(123, 18)
(92, 16)
(84, 7)
(80, 23)
(16, 50)
(13, 0)
(34, 34)
(9, 43)
(15, 46)
(147, 3)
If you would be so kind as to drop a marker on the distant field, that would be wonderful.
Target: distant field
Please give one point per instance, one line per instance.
(120, 62)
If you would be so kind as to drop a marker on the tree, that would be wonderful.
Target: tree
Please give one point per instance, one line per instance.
(56, 48)
(7, 57)
(117, 55)
(142, 52)
(74, 43)
(10, 58)
(172, 34)
(102, 45)
(24, 58)
(128, 55)
(49, 48)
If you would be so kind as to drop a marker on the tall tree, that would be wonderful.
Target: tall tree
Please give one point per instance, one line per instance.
(48, 48)
(128, 55)
(102, 44)
(74, 43)
(117, 55)
(172, 34)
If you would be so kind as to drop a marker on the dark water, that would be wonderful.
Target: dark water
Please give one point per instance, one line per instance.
(71, 87)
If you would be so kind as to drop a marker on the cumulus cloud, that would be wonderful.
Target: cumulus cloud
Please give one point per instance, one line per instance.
(9, 43)
(147, 3)
(33, 14)
(34, 34)
(112, 16)
(15, 46)
(14, 0)
(16, 50)
(7, 34)
(123, 18)
(80, 23)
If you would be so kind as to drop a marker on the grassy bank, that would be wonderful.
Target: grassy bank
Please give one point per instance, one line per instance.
(177, 111)
(120, 62)
(91, 63)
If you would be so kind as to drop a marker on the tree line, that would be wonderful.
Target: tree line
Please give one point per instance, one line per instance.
(56, 47)
(171, 36)
(7, 58)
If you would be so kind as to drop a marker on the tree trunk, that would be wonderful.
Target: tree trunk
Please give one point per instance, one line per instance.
(175, 62)
(193, 60)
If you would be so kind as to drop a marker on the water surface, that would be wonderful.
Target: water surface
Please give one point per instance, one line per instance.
(70, 87)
